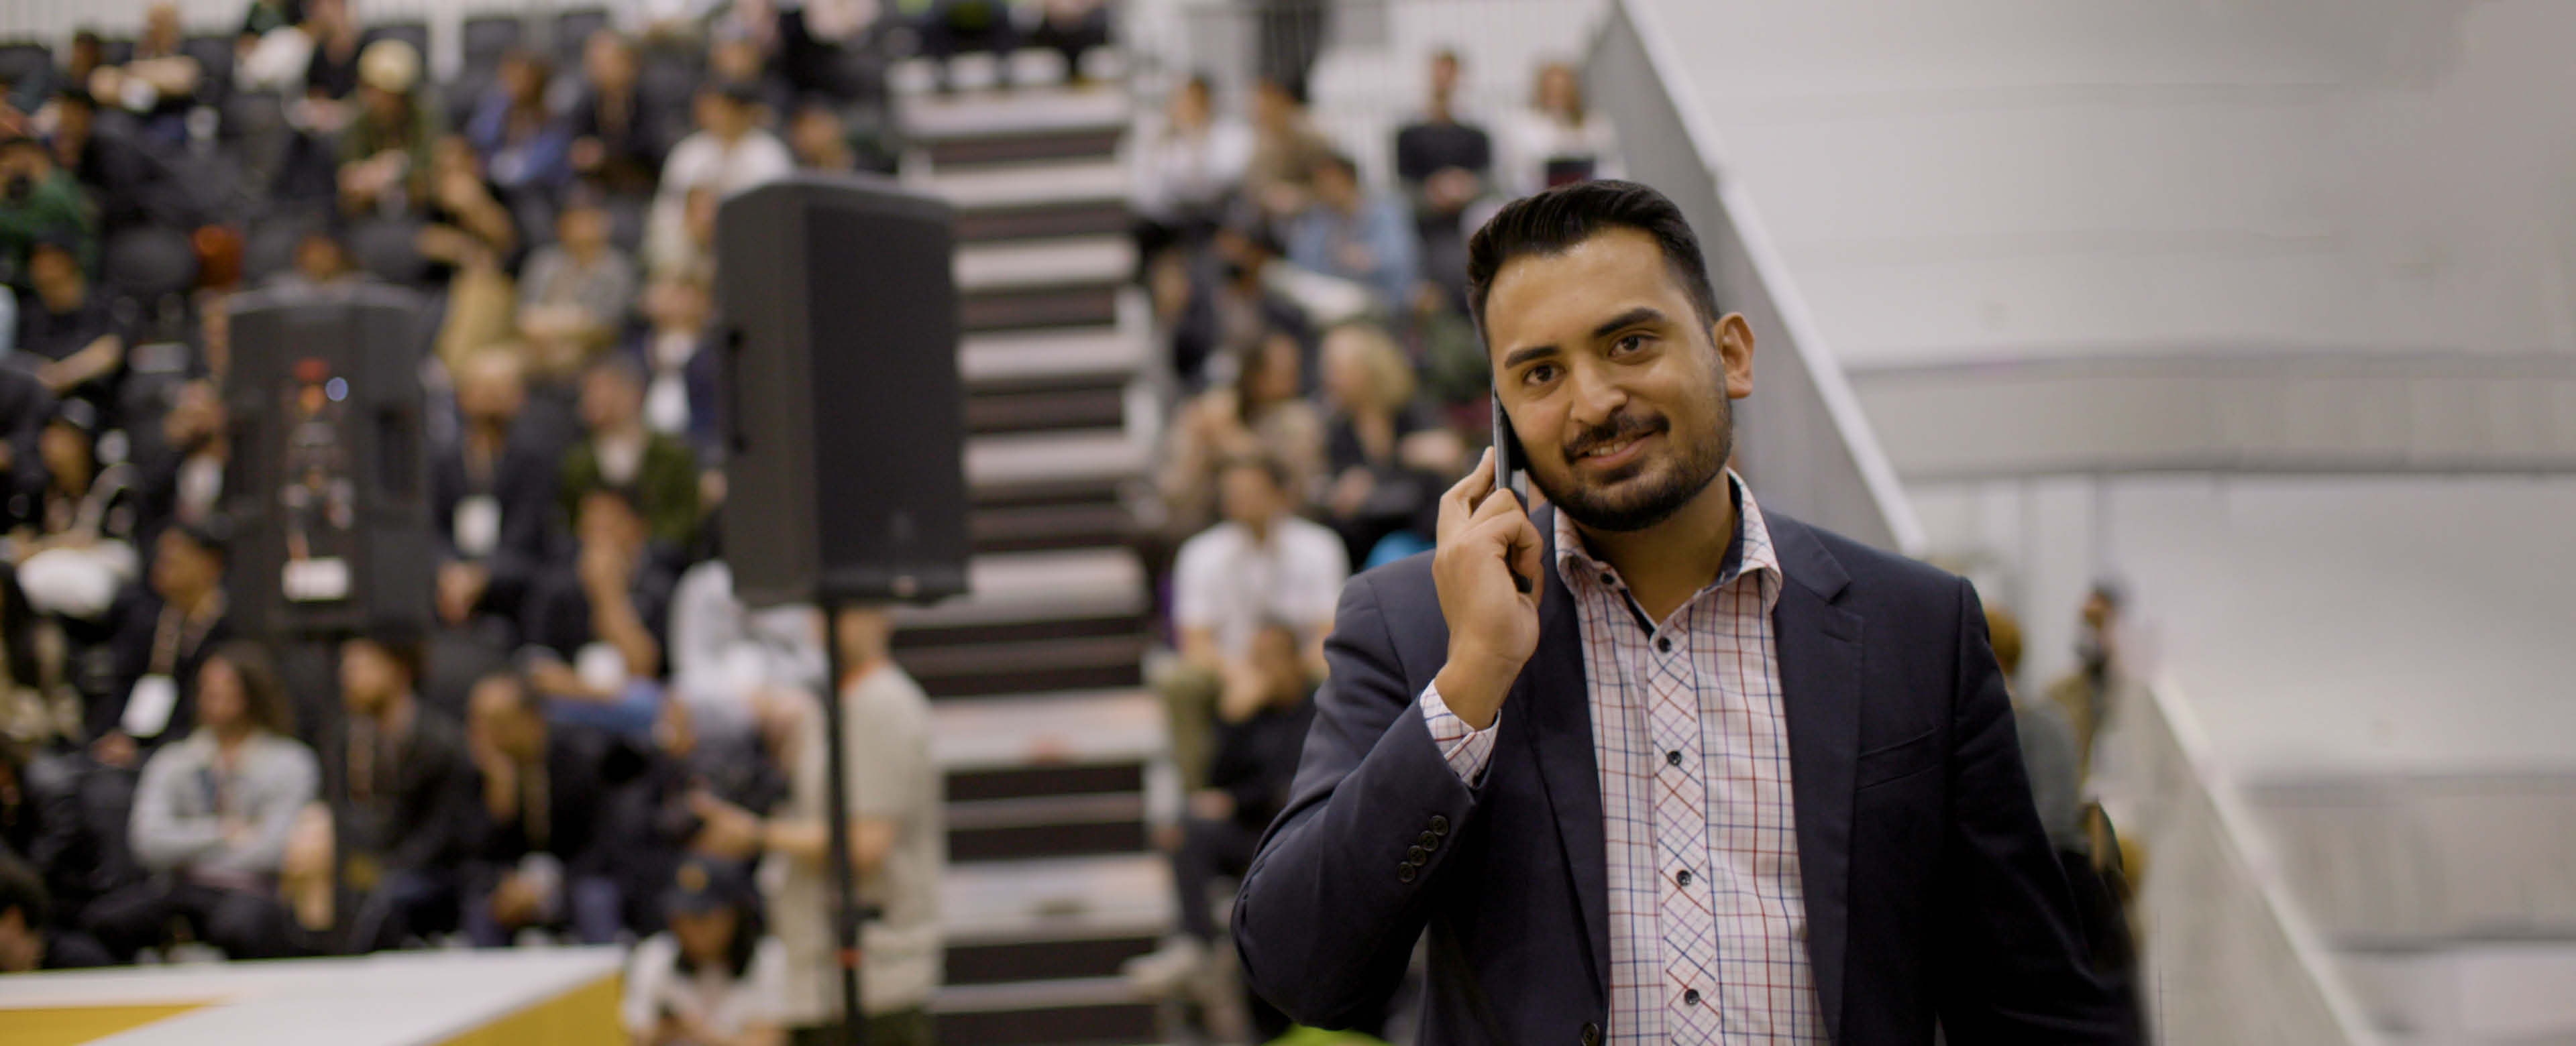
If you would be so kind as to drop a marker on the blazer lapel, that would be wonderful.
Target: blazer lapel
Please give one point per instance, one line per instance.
(1820, 680)
(1555, 707)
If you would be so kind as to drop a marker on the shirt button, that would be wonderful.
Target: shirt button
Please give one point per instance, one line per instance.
(1610, 580)
(1691, 997)
(1673, 757)
(1665, 644)
(1683, 877)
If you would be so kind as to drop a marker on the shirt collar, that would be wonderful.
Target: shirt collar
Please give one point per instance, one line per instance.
(1748, 552)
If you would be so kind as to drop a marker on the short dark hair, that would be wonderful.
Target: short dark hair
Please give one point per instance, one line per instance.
(1337, 161)
(401, 644)
(263, 695)
(1552, 222)
(1268, 465)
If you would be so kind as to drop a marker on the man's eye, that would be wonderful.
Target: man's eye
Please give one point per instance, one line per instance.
(1627, 343)
(1539, 374)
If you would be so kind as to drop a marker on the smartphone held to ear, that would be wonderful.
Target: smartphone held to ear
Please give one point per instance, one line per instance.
(1507, 472)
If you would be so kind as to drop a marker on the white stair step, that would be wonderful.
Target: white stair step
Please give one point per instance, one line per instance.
(1071, 353)
(1076, 260)
(1037, 110)
(1029, 184)
(1033, 995)
(1031, 586)
(1024, 458)
(917, 76)
(1073, 728)
(1057, 898)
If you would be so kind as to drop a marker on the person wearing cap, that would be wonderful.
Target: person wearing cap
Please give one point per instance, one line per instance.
(714, 977)
(386, 145)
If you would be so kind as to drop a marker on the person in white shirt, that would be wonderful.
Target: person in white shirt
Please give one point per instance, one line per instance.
(1556, 140)
(730, 152)
(1263, 565)
(1189, 168)
(714, 977)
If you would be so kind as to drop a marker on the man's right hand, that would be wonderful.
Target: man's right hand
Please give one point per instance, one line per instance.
(1485, 539)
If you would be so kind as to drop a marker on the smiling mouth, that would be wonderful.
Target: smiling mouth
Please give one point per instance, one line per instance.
(1614, 452)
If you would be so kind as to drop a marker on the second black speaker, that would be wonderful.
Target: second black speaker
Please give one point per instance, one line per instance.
(845, 478)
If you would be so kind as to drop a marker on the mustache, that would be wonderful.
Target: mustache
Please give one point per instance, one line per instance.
(1620, 426)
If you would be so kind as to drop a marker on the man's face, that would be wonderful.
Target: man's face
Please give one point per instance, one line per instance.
(582, 229)
(180, 569)
(610, 400)
(57, 278)
(491, 390)
(1250, 496)
(1444, 77)
(368, 677)
(1337, 187)
(1617, 391)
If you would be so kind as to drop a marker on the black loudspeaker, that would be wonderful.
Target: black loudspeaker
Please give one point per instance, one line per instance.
(846, 479)
(327, 488)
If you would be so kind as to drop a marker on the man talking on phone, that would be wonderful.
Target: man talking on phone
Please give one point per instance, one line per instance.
(1650, 764)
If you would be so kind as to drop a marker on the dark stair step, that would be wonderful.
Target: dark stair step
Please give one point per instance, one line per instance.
(1028, 308)
(1046, 409)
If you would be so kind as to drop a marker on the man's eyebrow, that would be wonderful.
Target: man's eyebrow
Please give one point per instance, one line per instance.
(1526, 353)
(1640, 315)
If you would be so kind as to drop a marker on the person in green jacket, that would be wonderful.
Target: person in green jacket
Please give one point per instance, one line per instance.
(618, 451)
(40, 201)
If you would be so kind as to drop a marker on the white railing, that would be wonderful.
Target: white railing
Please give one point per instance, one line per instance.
(2227, 956)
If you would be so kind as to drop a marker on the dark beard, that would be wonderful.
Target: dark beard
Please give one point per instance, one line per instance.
(1696, 465)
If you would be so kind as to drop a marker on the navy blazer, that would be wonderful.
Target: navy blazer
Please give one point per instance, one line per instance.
(1932, 893)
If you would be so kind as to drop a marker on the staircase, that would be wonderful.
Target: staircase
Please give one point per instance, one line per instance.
(1042, 725)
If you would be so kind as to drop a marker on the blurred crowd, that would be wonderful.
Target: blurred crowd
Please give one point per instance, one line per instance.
(1332, 387)
(591, 740)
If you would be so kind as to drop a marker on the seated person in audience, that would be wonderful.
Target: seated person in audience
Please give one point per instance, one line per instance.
(40, 203)
(67, 332)
(1187, 170)
(598, 623)
(1072, 28)
(618, 450)
(182, 480)
(212, 817)
(548, 858)
(471, 242)
(1260, 415)
(78, 549)
(158, 84)
(574, 292)
(332, 72)
(127, 184)
(492, 494)
(897, 845)
(165, 631)
(384, 152)
(1556, 140)
(1286, 147)
(951, 27)
(1445, 164)
(730, 151)
(682, 396)
(1389, 454)
(1262, 565)
(414, 804)
(1219, 317)
(525, 147)
(617, 128)
(738, 62)
(1260, 730)
(1350, 233)
(715, 977)
(819, 140)
(30, 939)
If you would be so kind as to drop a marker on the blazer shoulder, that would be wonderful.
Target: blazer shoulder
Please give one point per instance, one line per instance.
(1873, 572)
(1404, 596)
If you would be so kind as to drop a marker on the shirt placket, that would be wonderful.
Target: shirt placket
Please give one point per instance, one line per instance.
(1684, 910)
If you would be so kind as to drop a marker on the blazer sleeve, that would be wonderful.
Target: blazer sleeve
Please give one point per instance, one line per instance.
(1342, 884)
(2015, 966)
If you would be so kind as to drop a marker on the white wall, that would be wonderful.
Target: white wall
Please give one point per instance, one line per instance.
(2333, 622)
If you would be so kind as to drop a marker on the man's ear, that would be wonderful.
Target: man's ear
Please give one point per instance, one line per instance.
(1734, 340)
